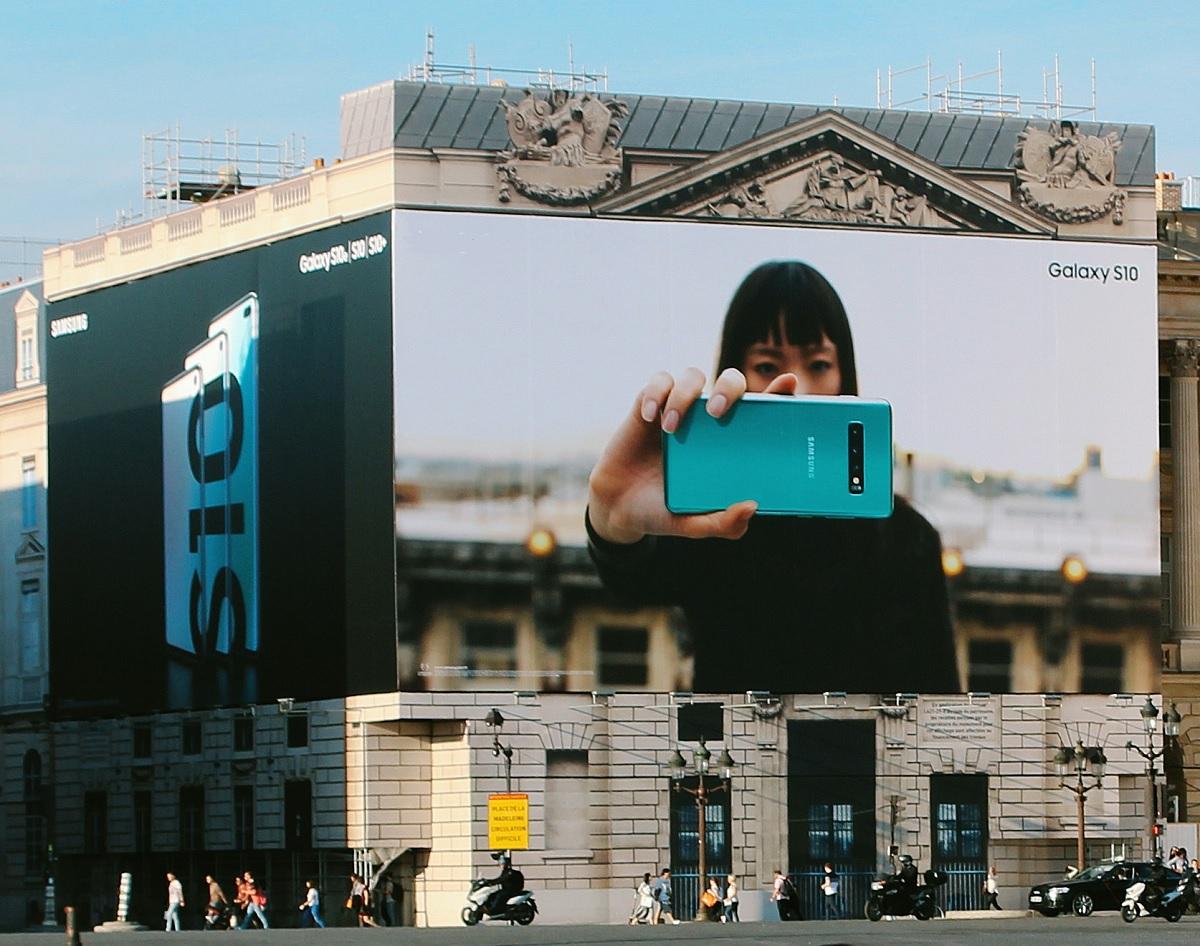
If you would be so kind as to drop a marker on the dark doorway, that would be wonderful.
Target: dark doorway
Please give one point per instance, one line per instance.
(958, 812)
(831, 810)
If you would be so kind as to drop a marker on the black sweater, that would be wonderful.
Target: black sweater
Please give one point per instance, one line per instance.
(801, 605)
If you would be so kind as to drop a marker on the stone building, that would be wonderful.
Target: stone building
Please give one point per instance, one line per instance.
(398, 782)
(23, 644)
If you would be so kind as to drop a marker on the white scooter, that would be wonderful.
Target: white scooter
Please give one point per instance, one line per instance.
(1171, 905)
(519, 908)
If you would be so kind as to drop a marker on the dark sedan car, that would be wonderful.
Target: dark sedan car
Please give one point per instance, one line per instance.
(1097, 888)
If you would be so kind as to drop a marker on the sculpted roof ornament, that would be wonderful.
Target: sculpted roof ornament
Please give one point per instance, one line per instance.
(564, 147)
(1069, 177)
(829, 189)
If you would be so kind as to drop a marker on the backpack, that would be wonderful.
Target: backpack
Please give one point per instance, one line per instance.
(789, 889)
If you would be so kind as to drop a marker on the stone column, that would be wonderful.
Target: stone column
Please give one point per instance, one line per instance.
(1185, 506)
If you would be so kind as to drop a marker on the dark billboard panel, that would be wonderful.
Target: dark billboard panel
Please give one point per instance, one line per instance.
(1021, 377)
(220, 446)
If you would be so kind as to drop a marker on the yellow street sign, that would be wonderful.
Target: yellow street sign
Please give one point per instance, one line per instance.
(508, 822)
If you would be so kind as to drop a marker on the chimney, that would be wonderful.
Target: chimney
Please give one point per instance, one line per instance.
(1168, 192)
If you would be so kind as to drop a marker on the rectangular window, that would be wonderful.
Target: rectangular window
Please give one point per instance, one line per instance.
(95, 822)
(489, 647)
(696, 720)
(31, 625)
(1103, 668)
(830, 832)
(1164, 412)
(142, 821)
(141, 740)
(35, 846)
(959, 831)
(989, 666)
(29, 493)
(26, 369)
(621, 658)
(243, 734)
(297, 730)
(243, 817)
(1164, 546)
(566, 800)
(191, 818)
(192, 737)
(297, 815)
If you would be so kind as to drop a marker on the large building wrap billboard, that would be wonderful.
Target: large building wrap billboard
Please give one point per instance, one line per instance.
(1023, 553)
(359, 459)
(221, 443)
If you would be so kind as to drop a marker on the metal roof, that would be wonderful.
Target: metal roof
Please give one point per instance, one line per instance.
(428, 115)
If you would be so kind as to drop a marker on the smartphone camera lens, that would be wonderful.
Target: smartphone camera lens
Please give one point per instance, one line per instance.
(855, 459)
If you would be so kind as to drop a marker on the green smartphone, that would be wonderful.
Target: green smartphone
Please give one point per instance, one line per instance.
(795, 456)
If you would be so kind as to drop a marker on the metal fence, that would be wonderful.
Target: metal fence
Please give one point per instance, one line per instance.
(964, 890)
(685, 890)
(854, 886)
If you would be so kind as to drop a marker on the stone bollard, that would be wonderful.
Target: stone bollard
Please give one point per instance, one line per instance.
(124, 892)
(51, 911)
(72, 932)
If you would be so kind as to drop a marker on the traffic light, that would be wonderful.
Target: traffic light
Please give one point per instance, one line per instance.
(1157, 830)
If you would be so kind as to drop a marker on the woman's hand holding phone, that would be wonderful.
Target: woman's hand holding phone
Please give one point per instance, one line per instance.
(625, 490)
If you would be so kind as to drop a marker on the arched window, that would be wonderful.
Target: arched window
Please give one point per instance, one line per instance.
(33, 776)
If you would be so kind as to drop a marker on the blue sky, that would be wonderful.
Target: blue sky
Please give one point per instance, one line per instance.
(82, 81)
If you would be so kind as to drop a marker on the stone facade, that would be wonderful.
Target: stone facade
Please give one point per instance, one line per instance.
(400, 780)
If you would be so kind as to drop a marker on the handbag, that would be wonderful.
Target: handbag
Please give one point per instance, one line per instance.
(709, 899)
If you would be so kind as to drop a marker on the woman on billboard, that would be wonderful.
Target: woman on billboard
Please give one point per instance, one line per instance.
(783, 603)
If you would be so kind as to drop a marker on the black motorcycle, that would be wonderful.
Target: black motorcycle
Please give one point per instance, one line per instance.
(890, 897)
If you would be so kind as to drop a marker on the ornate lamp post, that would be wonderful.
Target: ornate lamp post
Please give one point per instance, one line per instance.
(1083, 760)
(1171, 720)
(496, 721)
(702, 792)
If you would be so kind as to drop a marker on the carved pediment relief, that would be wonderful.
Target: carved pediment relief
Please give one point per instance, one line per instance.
(826, 169)
(828, 188)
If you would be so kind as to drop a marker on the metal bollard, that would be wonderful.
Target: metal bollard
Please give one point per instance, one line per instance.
(72, 932)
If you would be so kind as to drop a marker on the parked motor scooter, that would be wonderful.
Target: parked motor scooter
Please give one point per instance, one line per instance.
(519, 908)
(1170, 906)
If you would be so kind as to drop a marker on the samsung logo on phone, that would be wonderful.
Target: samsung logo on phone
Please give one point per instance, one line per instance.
(812, 458)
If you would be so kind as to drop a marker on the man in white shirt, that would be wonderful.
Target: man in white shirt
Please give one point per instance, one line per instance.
(312, 905)
(174, 903)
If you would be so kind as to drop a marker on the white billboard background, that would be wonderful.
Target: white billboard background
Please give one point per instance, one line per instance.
(525, 339)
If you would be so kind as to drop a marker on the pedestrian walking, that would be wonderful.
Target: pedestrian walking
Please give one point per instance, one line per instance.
(711, 899)
(664, 912)
(643, 902)
(310, 908)
(730, 913)
(1178, 860)
(256, 899)
(831, 888)
(992, 888)
(218, 906)
(783, 894)
(174, 903)
(359, 901)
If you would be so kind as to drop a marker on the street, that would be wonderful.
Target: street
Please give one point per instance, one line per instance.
(1101, 930)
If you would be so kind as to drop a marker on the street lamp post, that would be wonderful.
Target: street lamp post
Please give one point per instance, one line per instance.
(496, 721)
(702, 792)
(1089, 760)
(1171, 720)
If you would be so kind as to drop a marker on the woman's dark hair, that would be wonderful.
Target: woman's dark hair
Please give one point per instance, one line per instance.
(793, 295)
